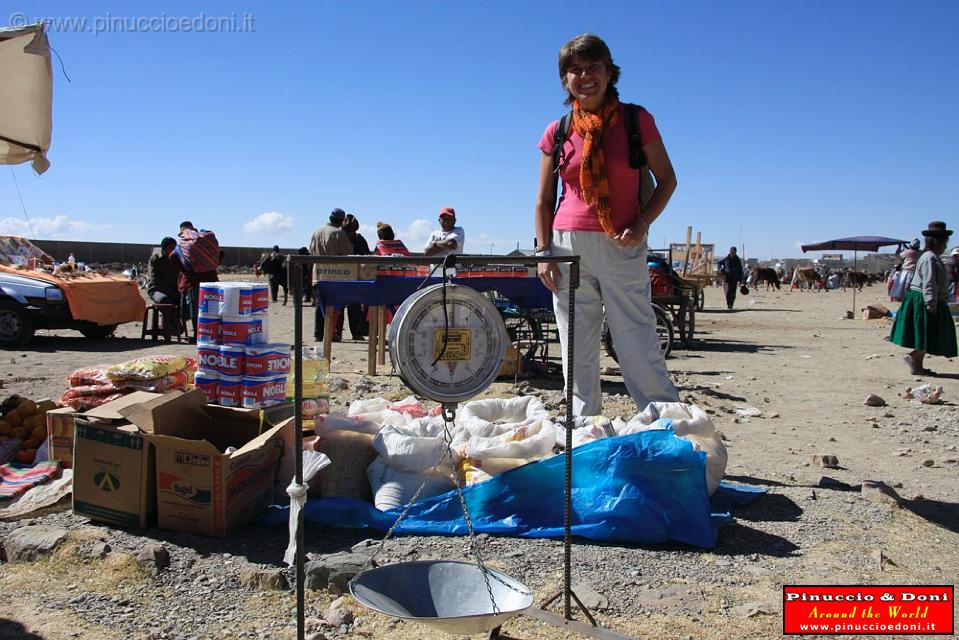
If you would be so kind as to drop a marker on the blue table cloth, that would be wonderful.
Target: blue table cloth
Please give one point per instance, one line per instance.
(528, 293)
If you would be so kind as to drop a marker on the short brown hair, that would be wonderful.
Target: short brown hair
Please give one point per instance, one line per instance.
(590, 47)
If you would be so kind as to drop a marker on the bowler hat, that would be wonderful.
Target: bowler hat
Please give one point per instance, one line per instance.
(937, 229)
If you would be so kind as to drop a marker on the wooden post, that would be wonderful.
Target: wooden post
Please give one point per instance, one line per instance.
(698, 252)
(329, 322)
(371, 348)
(381, 340)
(689, 240)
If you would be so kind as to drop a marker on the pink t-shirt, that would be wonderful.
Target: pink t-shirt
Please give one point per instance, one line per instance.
(573, 214)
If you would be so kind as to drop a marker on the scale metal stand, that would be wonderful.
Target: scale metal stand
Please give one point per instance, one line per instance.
(296, 265)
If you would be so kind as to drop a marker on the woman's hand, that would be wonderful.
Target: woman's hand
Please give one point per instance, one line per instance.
(549, 275)
(634, 234)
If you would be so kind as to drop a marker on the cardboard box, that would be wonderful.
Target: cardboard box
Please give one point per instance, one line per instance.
(344, 272)
(201, 489)
(60, 435)
(113, 474)
(114, 479)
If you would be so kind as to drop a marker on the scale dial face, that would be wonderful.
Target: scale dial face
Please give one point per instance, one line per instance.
(451, 359)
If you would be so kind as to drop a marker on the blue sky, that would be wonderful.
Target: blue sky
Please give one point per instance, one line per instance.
(787, 122)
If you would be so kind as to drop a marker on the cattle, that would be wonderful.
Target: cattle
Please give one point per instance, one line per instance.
(804, 276)
(763, 274)
(854, 279)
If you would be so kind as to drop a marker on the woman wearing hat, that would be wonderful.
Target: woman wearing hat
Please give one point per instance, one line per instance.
(923, 322)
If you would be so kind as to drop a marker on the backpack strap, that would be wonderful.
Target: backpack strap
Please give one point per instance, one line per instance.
(637, 157)
(559, 138)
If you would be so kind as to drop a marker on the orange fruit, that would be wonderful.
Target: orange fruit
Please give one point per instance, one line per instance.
(26, 456)
(38, 421)
(30, 443)
(4, 428)
(39, 433)
(27, 407)
(19, 433)
(13, 418)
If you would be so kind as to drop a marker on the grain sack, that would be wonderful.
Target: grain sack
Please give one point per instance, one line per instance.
(350, 453)
(585, 429)
(479, 415)
(394, 487)
(690, 423)
(415, 448)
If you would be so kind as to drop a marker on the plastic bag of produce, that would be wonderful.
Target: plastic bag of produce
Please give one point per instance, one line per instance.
(89, 375)
(176, 380)
(149, 368)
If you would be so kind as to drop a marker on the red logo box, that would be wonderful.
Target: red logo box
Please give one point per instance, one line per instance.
(873, 610)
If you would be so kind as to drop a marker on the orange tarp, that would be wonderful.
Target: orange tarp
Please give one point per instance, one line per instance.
(100, 299)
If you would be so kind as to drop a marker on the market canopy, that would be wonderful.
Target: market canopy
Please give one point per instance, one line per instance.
(26, 101)
(856, 243)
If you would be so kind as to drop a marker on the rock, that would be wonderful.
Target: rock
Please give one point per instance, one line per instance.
(826, 461)
(880, 560)
(750, 609)
(154, 557)
(359, 547)
(878, 491)
(336, 617)
(831, 483)
(100, 550)
(928, 463)
(316, 636)
(264, 579)
(333, 572)
(749, 412)
(931, 427)
(26, 544)
(591, 599)
(872, 400)
(337, 384)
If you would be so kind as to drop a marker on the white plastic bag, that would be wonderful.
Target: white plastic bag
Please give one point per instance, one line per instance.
(312, 463)
(416, 447)
(480, 414)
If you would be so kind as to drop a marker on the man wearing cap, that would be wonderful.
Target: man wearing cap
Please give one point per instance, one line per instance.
(274, 266)
(329, 240)
(449, 239)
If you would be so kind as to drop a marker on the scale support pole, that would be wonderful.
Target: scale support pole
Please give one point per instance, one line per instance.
(297, 273)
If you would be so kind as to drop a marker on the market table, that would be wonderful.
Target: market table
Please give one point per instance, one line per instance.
(526, 292)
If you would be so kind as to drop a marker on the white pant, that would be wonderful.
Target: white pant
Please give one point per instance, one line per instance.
(618, 279)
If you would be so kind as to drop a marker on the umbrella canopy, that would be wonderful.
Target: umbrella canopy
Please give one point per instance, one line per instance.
(856, 243)
(26, 99)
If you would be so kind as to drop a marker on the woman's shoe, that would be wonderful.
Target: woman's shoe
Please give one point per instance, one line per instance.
(914, 369)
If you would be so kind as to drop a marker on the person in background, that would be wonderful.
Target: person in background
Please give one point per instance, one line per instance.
(909, 255)
(600, 218)
(329, 240)
(163, 271)
(189, 285)
(448, 239)
(359, 327)
(924, 322)
(387, 244)
(274, 266)
(307, 279)
(952, 270)
(732, 269)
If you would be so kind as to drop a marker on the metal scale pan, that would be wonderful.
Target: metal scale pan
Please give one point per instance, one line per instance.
(446, 595)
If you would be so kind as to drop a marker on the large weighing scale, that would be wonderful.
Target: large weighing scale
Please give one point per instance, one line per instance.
(448, 343)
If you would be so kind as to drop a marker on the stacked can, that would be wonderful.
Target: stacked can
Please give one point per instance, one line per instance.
(232, 316)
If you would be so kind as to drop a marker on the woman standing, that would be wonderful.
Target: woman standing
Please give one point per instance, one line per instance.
(599, 218)
(923, 322)
(909, 255)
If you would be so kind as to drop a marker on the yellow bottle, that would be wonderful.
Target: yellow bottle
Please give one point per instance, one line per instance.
(316, 392)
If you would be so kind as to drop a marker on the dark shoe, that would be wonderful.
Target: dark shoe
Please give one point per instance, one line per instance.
(338, 338)
(914, 369)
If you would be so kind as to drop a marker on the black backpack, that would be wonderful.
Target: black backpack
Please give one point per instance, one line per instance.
(637, 158)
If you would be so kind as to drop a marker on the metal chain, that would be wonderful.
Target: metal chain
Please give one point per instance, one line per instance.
(449, 414)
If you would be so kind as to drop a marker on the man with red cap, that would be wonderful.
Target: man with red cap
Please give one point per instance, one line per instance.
(449, 239)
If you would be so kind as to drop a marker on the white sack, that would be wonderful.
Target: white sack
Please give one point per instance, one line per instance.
(394, 487)
(26, 101)
(690, 423)
(417, 447)
(483, 414)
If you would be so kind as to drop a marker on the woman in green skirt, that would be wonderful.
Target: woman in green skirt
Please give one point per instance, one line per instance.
(923, 322)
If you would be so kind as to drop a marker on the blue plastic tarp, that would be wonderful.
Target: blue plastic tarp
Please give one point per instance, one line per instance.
(646, 488)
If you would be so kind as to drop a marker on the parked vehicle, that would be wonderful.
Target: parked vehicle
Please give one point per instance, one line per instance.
(33, 295)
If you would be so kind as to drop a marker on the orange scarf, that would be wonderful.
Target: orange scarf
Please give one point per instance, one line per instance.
(591, 127)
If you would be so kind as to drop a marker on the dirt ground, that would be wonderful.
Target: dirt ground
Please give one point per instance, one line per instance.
(792, 355)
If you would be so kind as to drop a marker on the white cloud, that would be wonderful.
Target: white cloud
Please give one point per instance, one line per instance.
(58, 228)
(269, 222)
(416, 234)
